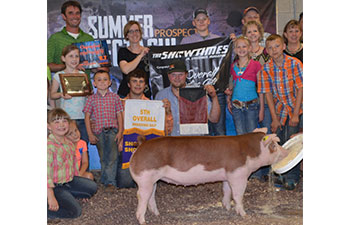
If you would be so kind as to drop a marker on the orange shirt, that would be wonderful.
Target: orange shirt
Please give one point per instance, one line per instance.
(81, 147)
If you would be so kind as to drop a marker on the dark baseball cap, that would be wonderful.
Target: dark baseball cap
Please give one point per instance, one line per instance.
(250, 8)
(199, 11)
(177, 66)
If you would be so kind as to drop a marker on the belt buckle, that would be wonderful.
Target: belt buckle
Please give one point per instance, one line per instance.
(237, 104)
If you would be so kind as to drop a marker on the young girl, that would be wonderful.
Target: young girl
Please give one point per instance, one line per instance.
(242, 100)
(80, 150)
(292, 35)
(254, 31)
(72, 105)
(63, 182)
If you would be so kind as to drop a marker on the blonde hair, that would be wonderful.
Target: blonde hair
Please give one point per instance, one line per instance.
(244, 39)
(257, 24)
(57, 114)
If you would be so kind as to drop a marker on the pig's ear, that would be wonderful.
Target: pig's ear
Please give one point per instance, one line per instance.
(267, 139)
(264, 130)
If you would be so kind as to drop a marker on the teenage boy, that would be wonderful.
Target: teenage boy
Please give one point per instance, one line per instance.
(136, 81)
(281, 79)
(105, 109)
(201, 22)
(177, 76)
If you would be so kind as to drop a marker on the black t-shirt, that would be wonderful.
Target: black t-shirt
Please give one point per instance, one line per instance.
(298, 55)
(125, 54)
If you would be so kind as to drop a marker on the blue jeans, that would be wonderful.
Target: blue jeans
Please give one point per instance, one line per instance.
(267, 119)
(65, 195)
(108, 151)
(246, 119)
(219, 128)
(284, 135)
(124, 178)
(82, 129)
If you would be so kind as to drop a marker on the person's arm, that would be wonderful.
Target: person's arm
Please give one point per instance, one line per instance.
(275, 120)
(57, 95)
(119, 136)
(51, 200)
(295, 118)
(92, 138)
(127, 67)
(84, 163)
(54, 67)
(214, 115)
(168, 117)
(262, 107)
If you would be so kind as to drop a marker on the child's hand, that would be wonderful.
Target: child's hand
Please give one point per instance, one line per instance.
(211, 90)
(119, 137)
(274, 125)
(228, 91)
(51, 200)
(233, 36)
(294, 121)
(120, 146)
(166, 105)
(93, 139)
(66, 96)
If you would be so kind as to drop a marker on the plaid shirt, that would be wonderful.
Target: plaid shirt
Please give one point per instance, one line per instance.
(283, 83)
(103, 110)
(62, 163)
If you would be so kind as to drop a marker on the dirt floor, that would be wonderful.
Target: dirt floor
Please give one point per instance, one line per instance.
(195, 205)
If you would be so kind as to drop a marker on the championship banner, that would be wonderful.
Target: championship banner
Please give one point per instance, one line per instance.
(193, 110)
(94, 54)
(142, 117)
(207, 62)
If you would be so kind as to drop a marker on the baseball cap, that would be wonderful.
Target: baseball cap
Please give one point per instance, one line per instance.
(250, 8)
(177, 66)
(198, 11)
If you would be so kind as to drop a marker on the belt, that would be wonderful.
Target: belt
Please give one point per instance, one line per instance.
(107, 128)
(239, 105)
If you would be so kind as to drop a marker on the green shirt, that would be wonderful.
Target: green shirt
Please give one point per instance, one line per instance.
(59, 40)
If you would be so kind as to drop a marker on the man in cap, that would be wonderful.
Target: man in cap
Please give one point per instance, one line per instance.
(201, 22)
(252, 14)
(177, 74)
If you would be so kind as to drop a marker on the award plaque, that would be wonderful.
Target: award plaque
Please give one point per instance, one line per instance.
(75, 84)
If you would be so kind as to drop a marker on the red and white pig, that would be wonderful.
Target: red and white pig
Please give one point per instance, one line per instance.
(192, 160)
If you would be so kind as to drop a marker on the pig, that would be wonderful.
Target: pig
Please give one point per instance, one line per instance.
(192, 160)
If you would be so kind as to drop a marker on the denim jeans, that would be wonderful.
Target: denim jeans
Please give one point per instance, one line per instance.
(65, 195)
(219, 128)
(108, 151)
(82, 129)
(284, 135)
(246, 119)
(267, 119)
(124, 178)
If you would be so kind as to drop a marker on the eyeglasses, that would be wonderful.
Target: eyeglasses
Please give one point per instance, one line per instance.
(133, 31)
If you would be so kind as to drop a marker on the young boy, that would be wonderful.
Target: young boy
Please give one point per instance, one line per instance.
(63, 182)
(281, 79)
(105, 109)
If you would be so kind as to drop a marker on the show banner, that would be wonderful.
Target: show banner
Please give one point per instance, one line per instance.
(94, 54)
(163, 22)
(142, 117)
(207, 62)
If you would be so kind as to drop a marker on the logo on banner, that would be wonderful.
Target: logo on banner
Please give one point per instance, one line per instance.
(142, 117)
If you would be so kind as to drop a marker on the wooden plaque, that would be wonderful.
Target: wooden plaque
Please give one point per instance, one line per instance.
(75, 84)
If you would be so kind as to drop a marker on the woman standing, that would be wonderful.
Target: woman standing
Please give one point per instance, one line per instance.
(292, 36)
(132, 57)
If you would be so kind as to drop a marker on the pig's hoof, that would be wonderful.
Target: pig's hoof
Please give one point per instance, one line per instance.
(240, 211)
(227, 205)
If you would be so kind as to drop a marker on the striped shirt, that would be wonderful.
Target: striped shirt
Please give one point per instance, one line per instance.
(103, 110)
(283, 83)
(62, 164)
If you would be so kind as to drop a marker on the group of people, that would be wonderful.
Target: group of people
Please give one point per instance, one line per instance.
(265, 89)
